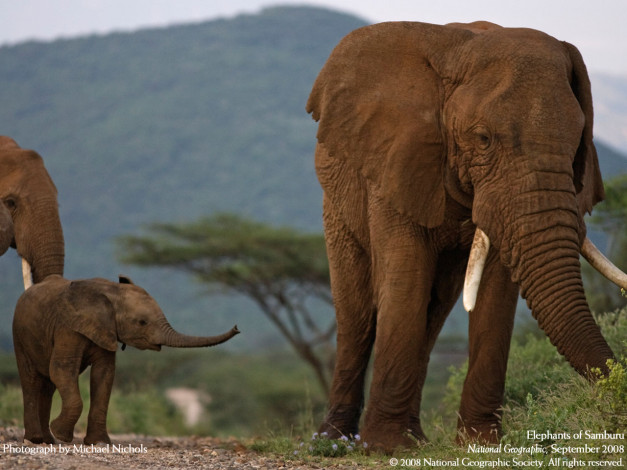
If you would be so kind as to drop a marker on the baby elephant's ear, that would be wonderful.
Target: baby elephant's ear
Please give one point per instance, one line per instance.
(125, 279)
(89, 312)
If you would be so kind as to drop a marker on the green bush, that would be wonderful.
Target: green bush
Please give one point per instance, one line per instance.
(11, 410)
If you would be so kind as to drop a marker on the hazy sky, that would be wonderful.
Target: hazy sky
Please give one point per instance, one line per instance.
(597, 28)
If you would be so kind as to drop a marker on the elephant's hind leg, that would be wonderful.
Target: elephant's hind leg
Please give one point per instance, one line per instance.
(45, 403)
(32, 385)
(31, 393)
(351, 287)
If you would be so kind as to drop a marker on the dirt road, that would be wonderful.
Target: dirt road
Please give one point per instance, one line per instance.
(139, 452)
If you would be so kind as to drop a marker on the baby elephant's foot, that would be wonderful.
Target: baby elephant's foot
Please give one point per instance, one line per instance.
(100, 437)
(62, 431)
(38, 439)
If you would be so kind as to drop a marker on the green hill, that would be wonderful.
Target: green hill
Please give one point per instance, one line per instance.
(168, 125)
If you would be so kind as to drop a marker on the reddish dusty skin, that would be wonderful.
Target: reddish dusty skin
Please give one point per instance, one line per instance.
(60, 327)
(29, 195)
(425, 133)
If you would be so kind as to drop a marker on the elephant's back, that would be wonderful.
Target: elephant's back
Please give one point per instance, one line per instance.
(36, 305)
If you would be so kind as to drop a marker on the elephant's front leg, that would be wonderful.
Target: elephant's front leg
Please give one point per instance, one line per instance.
(404, 269)
(65, 366)
(446, 289)
(100, 384)
(352, 296)
(490, 332)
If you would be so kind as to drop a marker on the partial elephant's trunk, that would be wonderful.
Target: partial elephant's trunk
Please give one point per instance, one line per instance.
(174, 339)
(551, 283)
(7, 232)
(545, 258)
(40, 242)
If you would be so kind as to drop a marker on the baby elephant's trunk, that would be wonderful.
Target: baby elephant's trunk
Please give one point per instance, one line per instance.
(174, 339)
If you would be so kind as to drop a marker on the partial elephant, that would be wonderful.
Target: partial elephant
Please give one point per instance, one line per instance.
(428, 134)
(29, 196)
(60, 327)
(6, 229)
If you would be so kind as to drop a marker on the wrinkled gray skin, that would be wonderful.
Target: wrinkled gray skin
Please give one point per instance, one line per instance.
(60, 327)
(29, 212)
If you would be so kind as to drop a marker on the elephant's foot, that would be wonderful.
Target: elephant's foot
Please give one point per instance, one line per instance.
(62, 431)
(388, 437)
(97, 437)
(342, 420)
(32, 438)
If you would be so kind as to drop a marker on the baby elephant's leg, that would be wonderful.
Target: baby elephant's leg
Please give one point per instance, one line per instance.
(32, 386)
(100, 384)
(45, 403)
(65, 366)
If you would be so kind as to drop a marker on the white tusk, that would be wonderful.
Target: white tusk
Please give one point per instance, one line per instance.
(26, 274)
(476, 262)
(599, 262)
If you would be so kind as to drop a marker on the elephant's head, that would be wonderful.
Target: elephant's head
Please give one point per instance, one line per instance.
(108, 313)
(496, 120)
(30, 197)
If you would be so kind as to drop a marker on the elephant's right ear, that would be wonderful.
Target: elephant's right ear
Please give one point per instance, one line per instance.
(378, 100)
(89, 312)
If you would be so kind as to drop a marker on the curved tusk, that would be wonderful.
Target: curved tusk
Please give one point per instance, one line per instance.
(26, 274)
(476, 262)
(599, 262)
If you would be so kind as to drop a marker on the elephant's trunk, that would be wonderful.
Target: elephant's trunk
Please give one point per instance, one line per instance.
(544, 257)
(174, 339)
(540, 244)
(552, 285)
(41, 242)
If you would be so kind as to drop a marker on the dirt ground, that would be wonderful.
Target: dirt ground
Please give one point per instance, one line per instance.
(141, 452)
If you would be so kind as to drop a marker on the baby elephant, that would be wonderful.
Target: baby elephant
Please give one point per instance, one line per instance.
(60, 327)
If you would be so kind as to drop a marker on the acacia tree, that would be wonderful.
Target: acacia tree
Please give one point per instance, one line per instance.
(281, 269)
(610, 216)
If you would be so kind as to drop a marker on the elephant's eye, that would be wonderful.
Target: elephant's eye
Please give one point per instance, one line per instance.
(142, 322)
(482, 137)
(10, 203)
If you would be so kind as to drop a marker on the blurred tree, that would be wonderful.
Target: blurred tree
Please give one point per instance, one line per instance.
(610, 216)
(284, 271)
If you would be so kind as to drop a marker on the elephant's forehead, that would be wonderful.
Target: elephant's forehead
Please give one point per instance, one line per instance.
(517, 46)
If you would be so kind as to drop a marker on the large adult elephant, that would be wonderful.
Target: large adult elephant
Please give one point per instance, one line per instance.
(29, 214)
(428, 134)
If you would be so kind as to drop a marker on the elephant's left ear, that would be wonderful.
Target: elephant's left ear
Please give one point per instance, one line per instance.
(587, 175)
(89, 312)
